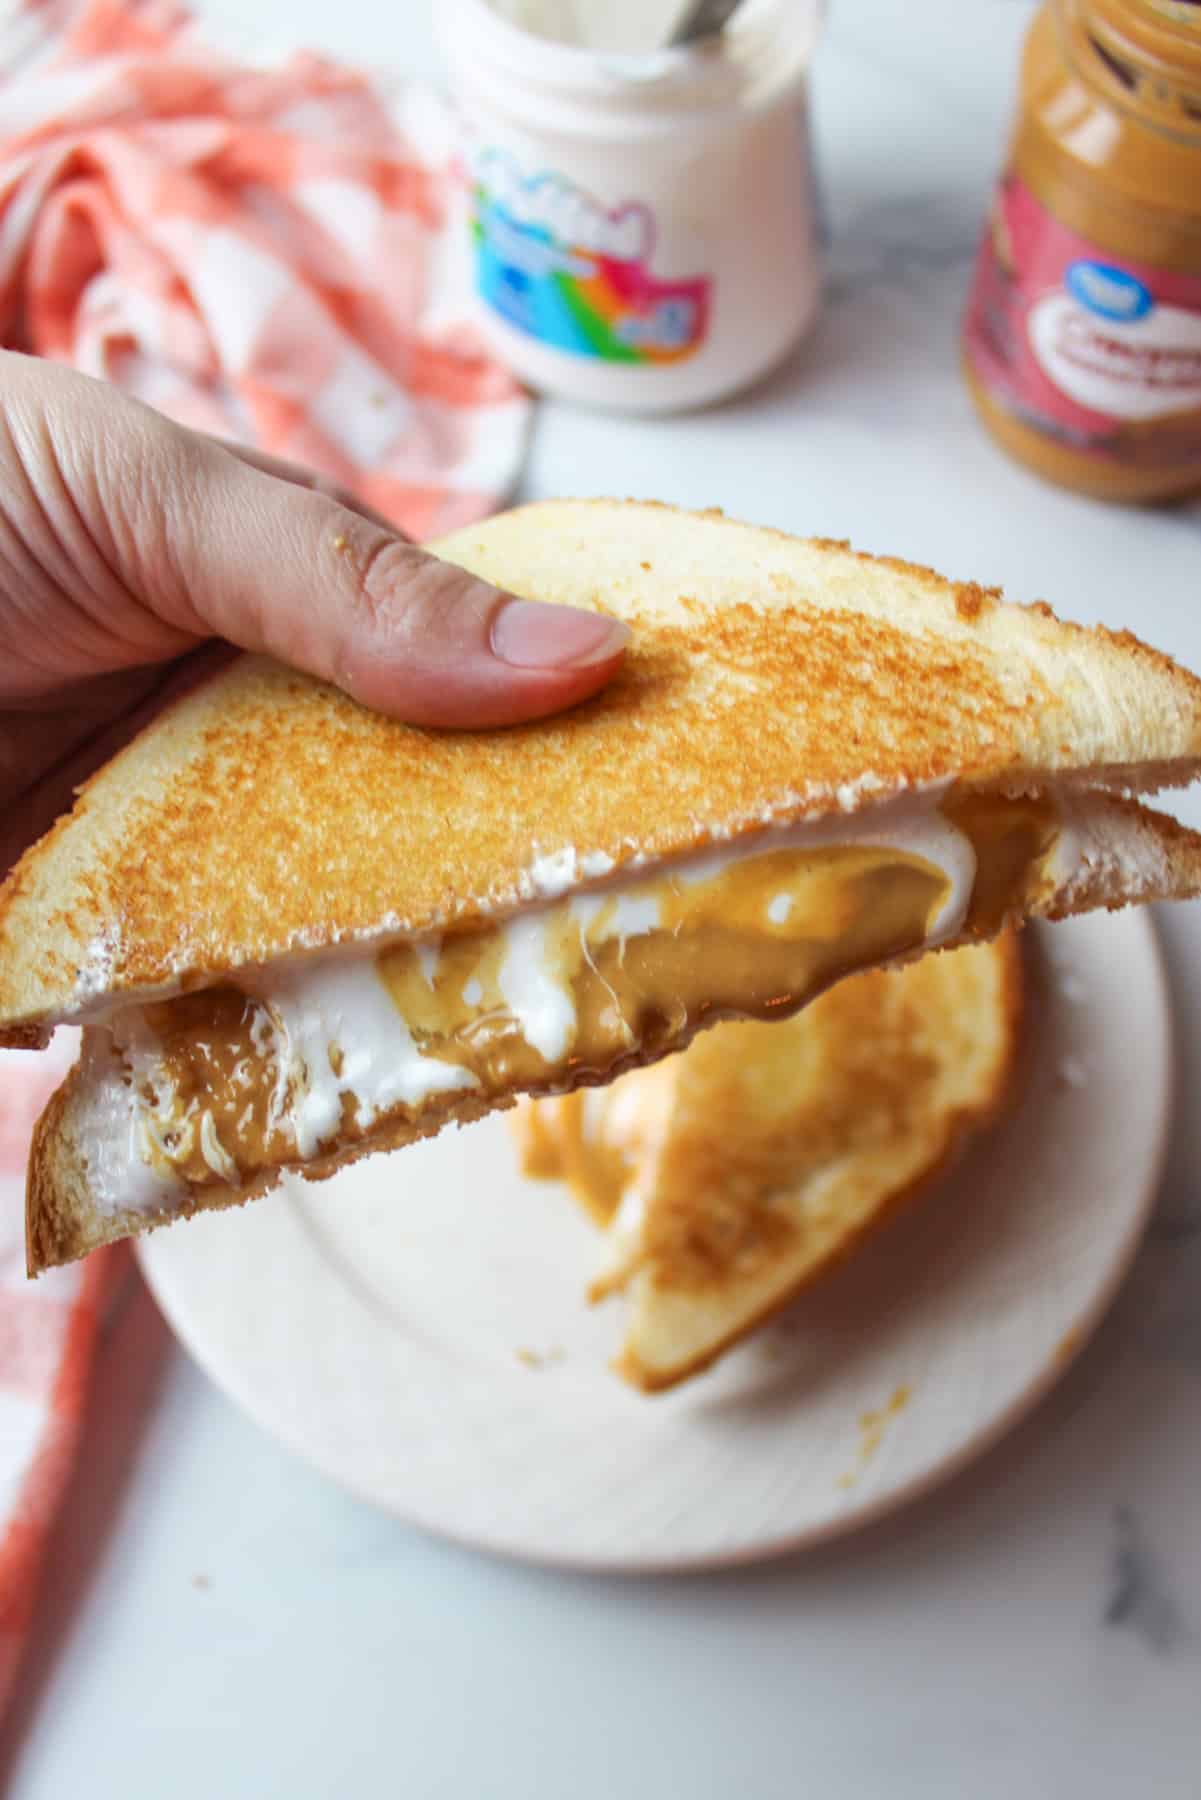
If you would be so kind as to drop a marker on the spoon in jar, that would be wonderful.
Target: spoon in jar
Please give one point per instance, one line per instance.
(700, 19)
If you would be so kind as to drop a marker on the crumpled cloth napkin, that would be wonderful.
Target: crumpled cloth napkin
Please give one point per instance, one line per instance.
(264, 253)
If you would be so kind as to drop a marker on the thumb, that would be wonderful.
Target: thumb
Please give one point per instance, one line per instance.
(275, 567)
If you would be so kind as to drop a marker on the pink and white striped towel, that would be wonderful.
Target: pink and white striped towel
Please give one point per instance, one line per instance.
(261, 253)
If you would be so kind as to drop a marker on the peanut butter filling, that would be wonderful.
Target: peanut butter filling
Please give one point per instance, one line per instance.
(598, 1167)
(715, 950)
(610, 978)
(1014, 840)
(214, 1063)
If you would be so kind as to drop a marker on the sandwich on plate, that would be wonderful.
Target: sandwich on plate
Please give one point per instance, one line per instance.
(731, 1177)
(297, 932)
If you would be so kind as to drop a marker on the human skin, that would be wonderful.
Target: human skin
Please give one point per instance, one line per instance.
(134, 554)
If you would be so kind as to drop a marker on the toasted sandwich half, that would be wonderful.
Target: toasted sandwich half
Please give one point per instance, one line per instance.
(298, 932)
(732, 1177)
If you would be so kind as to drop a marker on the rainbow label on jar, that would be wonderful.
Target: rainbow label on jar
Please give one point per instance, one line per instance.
(554, 263)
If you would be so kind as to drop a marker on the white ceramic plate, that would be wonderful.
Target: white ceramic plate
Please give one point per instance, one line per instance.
(416, 1326)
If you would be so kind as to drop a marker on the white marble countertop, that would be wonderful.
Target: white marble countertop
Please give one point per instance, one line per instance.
(222, 1621)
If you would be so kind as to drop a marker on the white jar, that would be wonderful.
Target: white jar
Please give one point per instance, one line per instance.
(642, 227)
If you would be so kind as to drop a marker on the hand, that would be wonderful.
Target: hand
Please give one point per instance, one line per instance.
(133, 553)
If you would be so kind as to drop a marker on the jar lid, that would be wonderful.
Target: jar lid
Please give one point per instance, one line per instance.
(765, 46)
(1145, 54)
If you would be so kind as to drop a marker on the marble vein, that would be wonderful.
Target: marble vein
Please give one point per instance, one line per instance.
(1140, 1598)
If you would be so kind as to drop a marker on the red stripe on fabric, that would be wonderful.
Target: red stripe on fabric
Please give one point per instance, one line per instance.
(460, 509)
(423, 512)
(10, 1650)
(23, 1544)
(115, 27)
(407, 187)
(459, 374)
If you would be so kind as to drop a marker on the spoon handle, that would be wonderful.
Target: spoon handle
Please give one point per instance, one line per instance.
(701, 19)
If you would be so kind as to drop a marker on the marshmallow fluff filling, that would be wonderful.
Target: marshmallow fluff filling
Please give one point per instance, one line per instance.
(276, 1067)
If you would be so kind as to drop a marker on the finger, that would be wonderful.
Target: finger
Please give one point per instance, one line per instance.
(287, 570)
(162, 538)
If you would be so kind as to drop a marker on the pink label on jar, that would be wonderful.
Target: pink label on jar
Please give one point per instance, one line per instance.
(1100, 353)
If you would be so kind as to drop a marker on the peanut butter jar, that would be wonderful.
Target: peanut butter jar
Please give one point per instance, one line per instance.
(1082, 339)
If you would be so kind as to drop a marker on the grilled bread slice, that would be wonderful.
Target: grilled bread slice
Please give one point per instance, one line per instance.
(732, 1177)
(272, 908)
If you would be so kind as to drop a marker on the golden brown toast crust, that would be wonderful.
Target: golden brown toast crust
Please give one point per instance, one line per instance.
(266, 814)
(958, 1127)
